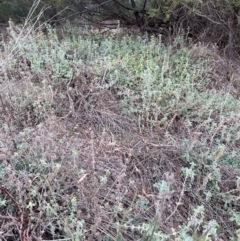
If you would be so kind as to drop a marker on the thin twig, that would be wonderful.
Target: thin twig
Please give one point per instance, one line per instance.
(23, 217)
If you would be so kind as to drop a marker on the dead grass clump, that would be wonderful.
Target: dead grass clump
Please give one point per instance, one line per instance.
(223, 72)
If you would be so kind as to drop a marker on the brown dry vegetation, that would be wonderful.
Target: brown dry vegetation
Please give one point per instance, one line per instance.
(73, 167)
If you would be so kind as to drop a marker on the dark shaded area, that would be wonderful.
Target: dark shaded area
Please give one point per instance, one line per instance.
(209, 21)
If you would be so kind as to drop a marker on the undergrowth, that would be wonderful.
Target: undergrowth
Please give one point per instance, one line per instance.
(115, 137)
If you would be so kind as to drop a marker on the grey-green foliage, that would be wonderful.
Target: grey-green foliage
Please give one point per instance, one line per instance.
(156, 81)
(165, 81)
